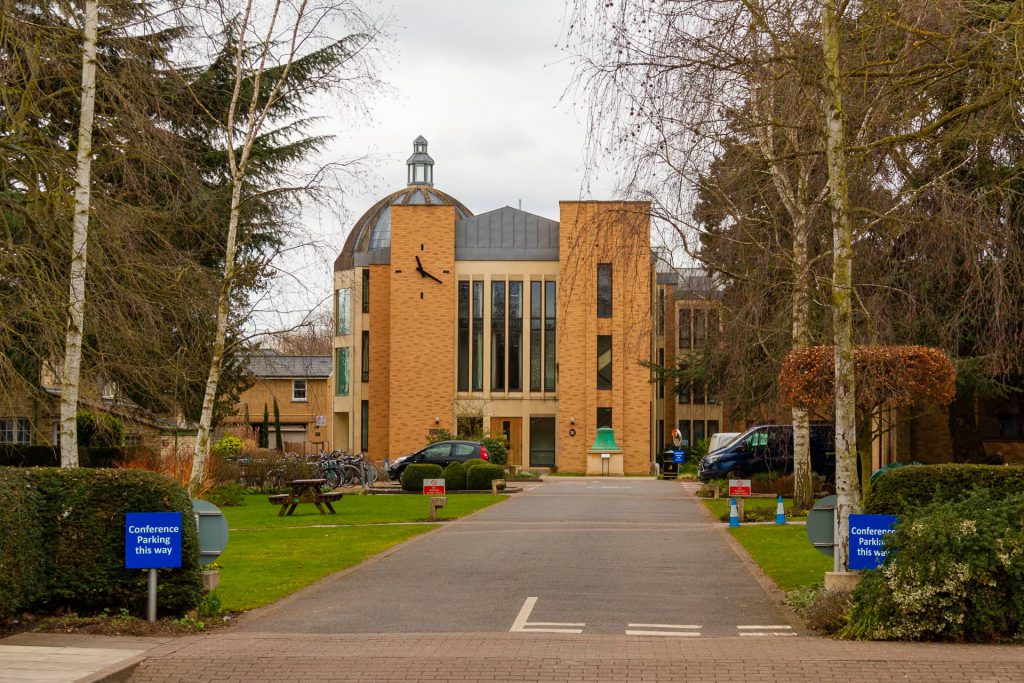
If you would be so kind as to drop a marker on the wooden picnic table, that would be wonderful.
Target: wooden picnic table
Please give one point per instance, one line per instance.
(305, 491)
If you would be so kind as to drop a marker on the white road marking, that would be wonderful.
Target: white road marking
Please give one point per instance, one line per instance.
(523, 625)
(766, 628)
(687, 630)
(609, 487)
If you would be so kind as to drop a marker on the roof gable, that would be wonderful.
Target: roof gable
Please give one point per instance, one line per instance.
(506, 234)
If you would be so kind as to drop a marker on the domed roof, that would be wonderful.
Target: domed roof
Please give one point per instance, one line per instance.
(373, 230)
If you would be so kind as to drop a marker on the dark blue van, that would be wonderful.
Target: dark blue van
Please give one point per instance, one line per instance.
(769, 448)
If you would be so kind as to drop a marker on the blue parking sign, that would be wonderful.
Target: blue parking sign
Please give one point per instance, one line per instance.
(152, 540)
(678, 456)
(867, 540)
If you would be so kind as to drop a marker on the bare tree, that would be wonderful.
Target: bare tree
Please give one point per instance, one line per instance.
(279, 60)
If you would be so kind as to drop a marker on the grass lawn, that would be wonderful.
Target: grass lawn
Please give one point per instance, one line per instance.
(720, 507)
(269, 557)
(257, 513)
(785, 554)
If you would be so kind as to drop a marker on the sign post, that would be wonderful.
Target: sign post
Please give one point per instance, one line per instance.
(152, 540)
(433, 487)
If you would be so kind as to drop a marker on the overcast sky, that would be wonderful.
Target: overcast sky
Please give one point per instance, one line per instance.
(483, 81)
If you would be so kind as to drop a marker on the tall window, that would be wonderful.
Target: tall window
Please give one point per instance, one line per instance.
(364, 426)
(365, 359)
(684, 429)
(463, 350)
(366, 290)
(660, 314)
(661, 376)
(478, 336)
(698, 392)
(660, 437)
(536, 351)
(299, 389)
(604, 290)
(685, 315)
(698, 431)
(549, 336)
(712, 427)
(699, 329)
(341, 371)
(604, 417)
(684, 391)
(15, 430)
(497, 336)
(604, 361)
(343, 311)
(515, 336)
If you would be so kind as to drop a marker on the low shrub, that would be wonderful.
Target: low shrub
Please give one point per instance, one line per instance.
(958, 575)
(99, 430)
(454, 477)
(479, 477)
(828, 611)
(25, 566)
(228, 447)
(49, 456)
(469, 464)
(413, 476)
(907, 489)
(79, 531)
(227, 495)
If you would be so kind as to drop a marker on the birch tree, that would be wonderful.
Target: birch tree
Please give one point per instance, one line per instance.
(280, 55)
(79, 243)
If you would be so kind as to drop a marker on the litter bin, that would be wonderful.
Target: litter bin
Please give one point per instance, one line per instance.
(668, 467)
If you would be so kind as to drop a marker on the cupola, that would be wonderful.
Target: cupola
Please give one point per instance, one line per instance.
(421, 166)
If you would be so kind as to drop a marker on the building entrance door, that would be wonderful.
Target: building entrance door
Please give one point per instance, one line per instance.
(542, 442)
(511, 429)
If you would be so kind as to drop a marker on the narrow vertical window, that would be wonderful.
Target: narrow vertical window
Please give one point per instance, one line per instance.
(341, 371)
(536, 350)
(604, 290)
(478, 336)
(699, 329)
(604, 417)
(712, 427)
(684, 391)
(343, 311)
(698, 431)
(660, 437)
(463, 350)
(661, 375)
(698, 392)
(366, 290)
(549, 336)
(498, 336)
(604, 361)
(365, 360)
(685, 314)
(660, 314)
(364, 426)
(515, 336)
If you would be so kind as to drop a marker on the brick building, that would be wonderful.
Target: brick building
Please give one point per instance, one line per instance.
(504, 321)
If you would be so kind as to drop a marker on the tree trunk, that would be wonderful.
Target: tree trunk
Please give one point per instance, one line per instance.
(79, 239)
(202, 449)
(865, 438)
(847, 493)
(803, 485)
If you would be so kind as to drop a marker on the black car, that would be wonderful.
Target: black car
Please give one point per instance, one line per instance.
(769, 448)
(442, 453)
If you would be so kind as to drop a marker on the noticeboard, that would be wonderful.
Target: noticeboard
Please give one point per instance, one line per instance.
(152, 540)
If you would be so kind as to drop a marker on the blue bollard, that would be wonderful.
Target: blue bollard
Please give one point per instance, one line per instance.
(780, 512)
(734, 515)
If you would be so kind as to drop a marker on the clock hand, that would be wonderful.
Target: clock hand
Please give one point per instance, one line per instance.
(433, 278)
(419, 267)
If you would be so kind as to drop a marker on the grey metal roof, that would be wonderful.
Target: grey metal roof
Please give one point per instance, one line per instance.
(506, 234)
(290, 366)
(696, 283)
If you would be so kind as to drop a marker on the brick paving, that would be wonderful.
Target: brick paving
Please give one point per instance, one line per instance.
(238, 656)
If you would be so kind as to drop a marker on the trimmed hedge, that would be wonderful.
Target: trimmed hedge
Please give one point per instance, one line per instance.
(479, 478)
(49, 456)
(469, 464)
(413, 476)
(75, 519)
(906, 489)
(454, 477)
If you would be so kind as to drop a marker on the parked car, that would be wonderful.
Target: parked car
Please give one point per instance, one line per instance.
(442, 453)
(769, 448)
(721, 440)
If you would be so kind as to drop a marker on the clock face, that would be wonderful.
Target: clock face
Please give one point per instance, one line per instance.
(424, 273)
